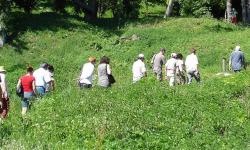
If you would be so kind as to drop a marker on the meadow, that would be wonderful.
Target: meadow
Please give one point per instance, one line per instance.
(149, 115)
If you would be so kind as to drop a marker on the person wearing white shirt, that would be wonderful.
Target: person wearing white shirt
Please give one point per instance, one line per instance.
(4, 97)
(86, 77)
(171, 69)
(192, 67)
(42, 78)
(139, 69)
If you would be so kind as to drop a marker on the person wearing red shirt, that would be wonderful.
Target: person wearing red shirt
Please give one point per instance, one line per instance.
(27, 83)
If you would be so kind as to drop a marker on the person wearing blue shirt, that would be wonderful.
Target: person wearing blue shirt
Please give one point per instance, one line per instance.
(237, 60)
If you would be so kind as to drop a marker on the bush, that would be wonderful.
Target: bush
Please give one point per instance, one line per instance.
(27, 5)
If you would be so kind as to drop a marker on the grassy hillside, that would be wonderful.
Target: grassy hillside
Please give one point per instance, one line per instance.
(147, 115)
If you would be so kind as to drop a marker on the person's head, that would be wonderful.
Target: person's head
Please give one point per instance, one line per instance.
(44, 66)
(237, 48)
(51, 68)
(162, 50)
(179, 56)
(193, 51)
(92, 60)
(30, 69)
(2, 70)
(173, 55)
(104, 60)
(141, 57)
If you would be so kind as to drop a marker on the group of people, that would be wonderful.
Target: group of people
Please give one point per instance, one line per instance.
(178, 71)
(175, 67)
(35, 83)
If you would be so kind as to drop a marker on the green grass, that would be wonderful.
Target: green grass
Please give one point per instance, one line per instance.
(147, 115)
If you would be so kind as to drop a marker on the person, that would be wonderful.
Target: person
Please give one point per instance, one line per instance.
(234, 14)
(139, 69)
(158, 61)
(171, 69)
(4, 108)
(27, 83)
(237, 60)
(104, 71)
(51, 85)
(87, 72)
(180, 71)
(42, 78)
(191, 64)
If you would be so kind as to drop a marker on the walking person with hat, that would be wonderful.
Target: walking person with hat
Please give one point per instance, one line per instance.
(171, 69)
(139, 69)
(158, 61)
(4, 101)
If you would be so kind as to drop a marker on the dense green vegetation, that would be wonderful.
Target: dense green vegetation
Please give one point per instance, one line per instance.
(147, 115)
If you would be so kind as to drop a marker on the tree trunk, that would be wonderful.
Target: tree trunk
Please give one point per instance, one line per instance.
(169, 10)
(248, 11)
(229, 10)
(244, 10)
(90, 9)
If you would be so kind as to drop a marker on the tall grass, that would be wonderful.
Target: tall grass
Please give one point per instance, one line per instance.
(147, 115)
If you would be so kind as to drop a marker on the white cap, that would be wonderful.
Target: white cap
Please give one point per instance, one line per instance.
(173, 55)
(140, 56)
(237, 48)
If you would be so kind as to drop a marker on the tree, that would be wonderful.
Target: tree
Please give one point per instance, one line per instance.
(169, 10)
(27, 5)
(4, 10)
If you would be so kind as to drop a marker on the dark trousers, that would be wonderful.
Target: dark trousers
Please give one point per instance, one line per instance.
(4, 107)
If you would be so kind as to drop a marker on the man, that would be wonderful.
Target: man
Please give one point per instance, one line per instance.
(158, 60)
(237, 60)
(171, 69)
(4, 101)
(139, 69)
(86, 77)
(192, 66)
(42, 79)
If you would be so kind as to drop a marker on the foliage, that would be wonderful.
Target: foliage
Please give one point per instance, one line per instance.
(147, 115)
(4, 10)
(60, 5)
(27, 5)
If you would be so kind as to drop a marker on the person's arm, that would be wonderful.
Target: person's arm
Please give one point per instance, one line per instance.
(109, 69)
(34, 87)
(230, 62)
(144, 70)
(4, 89)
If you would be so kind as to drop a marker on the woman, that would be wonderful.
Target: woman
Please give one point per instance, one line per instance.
(27, 83)
(180, 71)
(87, 73)
(103, 72)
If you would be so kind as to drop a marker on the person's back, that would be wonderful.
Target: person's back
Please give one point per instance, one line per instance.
(237, 60)
(158, 62)
(191, 62)
(103, 75)
(139, 69)
(86, 74)
(26, 82)
(171, 67)
(42, 77)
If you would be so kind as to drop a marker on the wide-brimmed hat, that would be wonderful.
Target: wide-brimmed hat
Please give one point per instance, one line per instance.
(141, 56)
(2, 69)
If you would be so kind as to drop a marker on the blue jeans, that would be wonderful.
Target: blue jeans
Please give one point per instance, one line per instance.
(26, 98)
(40, 90)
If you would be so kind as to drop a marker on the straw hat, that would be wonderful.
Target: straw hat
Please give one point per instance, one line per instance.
(141, 56)
(2, 69)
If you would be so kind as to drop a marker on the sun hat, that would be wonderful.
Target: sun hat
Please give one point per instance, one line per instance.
(237, 48)
(141, 56)
(2, 69)
(44, 65)
(173, 55)
(92, 59)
